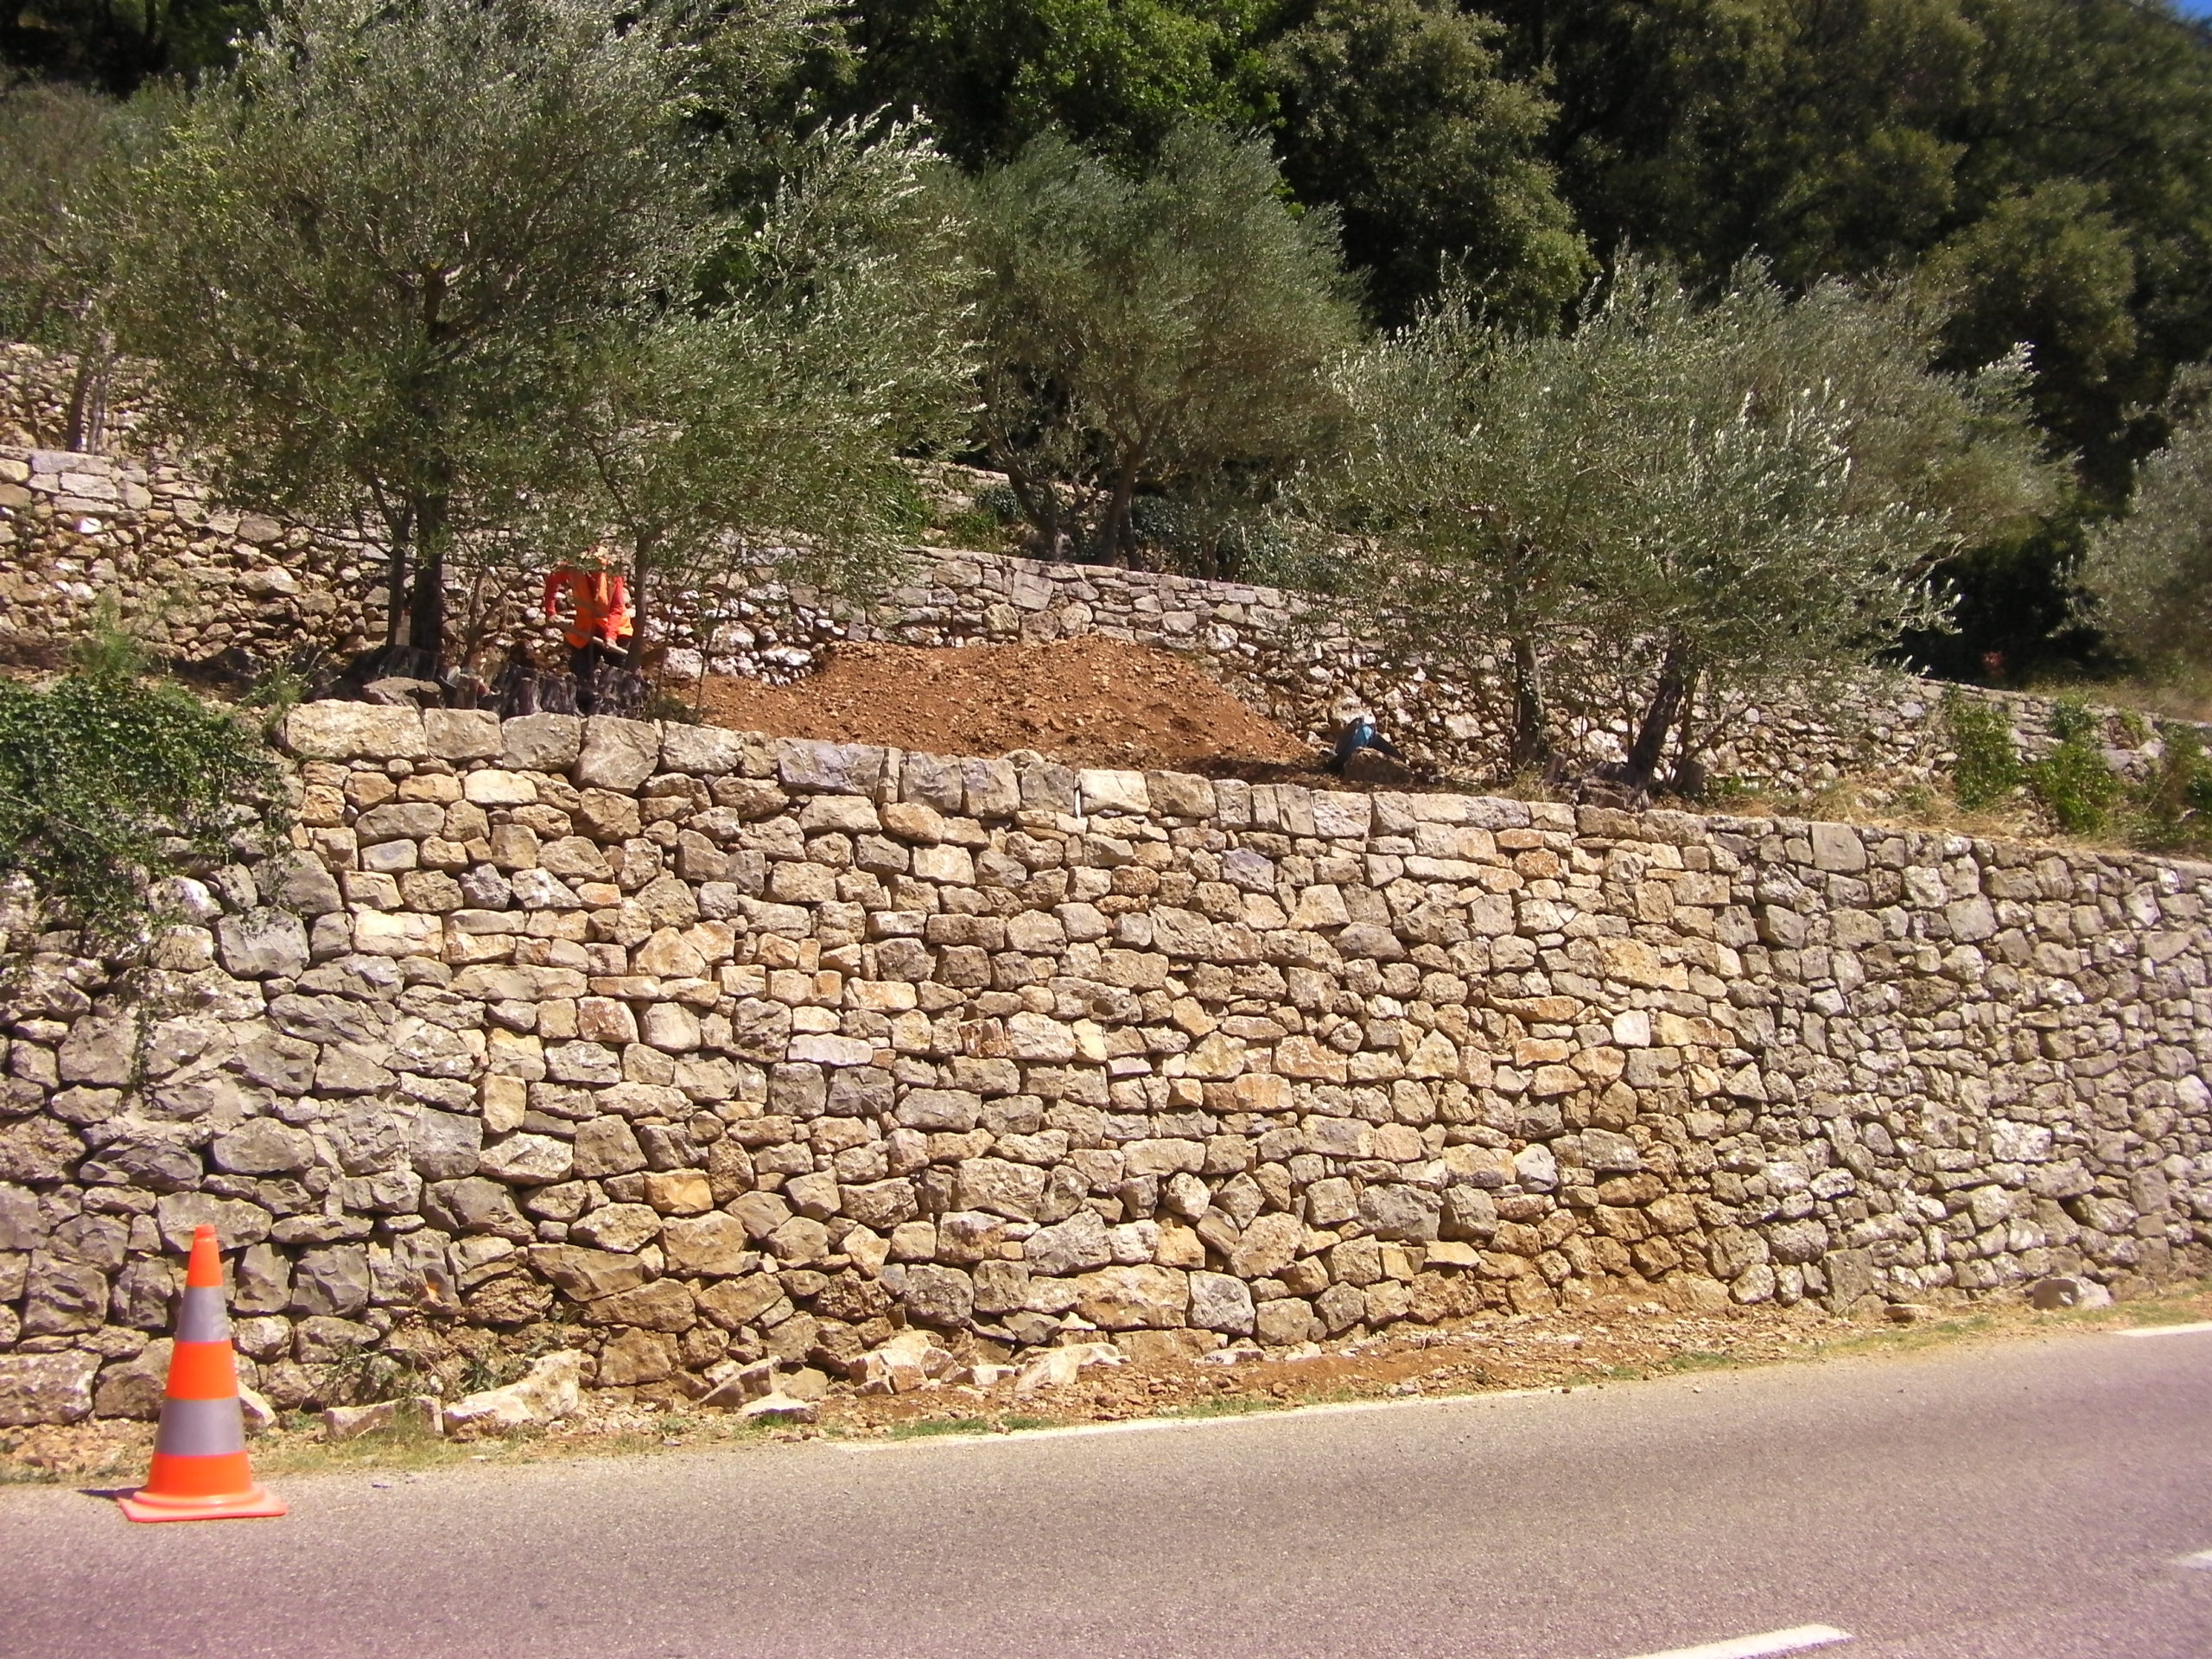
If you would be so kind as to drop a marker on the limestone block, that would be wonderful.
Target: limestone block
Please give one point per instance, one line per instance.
(45, 1389)
(881, 1205)
(713, 1245)
(552, 1390)
(623, 1228)
(679, 1191)
(541, 742)
(1104, 790)
(1180, 794)
(1795, 1241)
(700, 751)
(932, 780)
(334, 1282)
(1269, 1245)
(826, 1049)
(462, 733)
(938, 1295)
(1134, 1298)
(586, 1274)
(953, 866)
(263, 944)
(1536, 1168)
(396, 933)
(301, 885)
(1342, 815)
(1391, 1210)
(21, 1227)
(351, 731)
(829, 768)
(100, 1051)
(527, 1159)
(663, 1305)
(135, 1387)
(1000, 1187)
(989, 789)
(445, 1146)
(1837, 847)
(735, 1303)
(616, 755)
(1971, 920)
(1219, 1302)
(262, 1146)
(1610, 1154)
(236, 1223)
(491, 786)
(63, 1297)
(1039, 1038)
(475, 1204)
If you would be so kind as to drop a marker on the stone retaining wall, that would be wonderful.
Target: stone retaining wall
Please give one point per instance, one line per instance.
(691, 1047)
(204, 586)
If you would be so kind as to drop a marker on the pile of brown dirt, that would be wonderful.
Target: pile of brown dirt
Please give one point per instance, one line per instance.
(1086, 701)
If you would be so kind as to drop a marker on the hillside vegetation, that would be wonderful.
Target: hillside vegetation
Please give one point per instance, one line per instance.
(1755, 337)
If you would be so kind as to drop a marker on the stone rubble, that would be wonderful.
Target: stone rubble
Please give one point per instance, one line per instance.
(551, 1390)
(681, 1049)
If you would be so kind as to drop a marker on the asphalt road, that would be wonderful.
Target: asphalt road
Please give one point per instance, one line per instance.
(2025, 1501)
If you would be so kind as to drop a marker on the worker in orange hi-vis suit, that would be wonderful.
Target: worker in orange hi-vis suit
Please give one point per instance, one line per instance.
(599, 626)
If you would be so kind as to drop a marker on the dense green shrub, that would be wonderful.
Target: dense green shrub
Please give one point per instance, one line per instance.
(109, 779)
(1988, 766)
(2073, 784)
(2074, 787)
(2173, 808)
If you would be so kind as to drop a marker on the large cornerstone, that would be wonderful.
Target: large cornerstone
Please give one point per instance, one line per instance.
(692, 1047)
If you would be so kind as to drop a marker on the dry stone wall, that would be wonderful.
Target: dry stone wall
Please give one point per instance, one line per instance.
(205, 586)
(692, 1048)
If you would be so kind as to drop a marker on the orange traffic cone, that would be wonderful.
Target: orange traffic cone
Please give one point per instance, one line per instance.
(199, 1470)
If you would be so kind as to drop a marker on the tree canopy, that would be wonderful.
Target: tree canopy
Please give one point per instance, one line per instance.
(1710, 496)
(2148, 576)
(1165, 332)
(2037, 171)
(371, 259)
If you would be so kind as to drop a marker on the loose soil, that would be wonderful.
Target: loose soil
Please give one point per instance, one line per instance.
(1086, 701)
(1590, 1347)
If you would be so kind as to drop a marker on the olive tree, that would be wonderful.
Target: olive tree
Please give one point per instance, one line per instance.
(371, 260)
(766, 425)
(65, 155)
(1696, 494)
(2147, 578)
(1166, 333)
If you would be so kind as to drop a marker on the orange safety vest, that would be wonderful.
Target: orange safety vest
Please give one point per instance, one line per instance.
(601, 598)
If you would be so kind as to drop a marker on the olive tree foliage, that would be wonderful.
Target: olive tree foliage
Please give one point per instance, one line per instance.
(372, 259)
(1164, 333)
(2147, 579)
(767, 427)
(1702, 497)
(65, 155)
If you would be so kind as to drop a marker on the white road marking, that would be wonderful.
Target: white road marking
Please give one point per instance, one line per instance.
(1155, 1425)
(2201, 1560)
(1757, 1647)
(2167, 1330)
